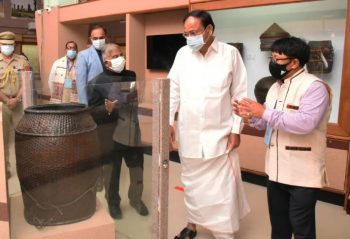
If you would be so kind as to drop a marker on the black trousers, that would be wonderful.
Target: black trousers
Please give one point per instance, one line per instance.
(133, 158)
(292, 211)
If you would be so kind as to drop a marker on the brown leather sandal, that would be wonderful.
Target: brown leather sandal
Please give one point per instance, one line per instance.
(186, 233)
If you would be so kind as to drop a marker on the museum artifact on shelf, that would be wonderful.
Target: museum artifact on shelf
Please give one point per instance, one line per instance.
(321, 57)
(273, 33)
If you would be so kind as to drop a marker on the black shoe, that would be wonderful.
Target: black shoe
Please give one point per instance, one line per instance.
(140, 207)
(114, 211)
(186, 233)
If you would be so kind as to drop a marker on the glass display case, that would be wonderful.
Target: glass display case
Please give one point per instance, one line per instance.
(70, 178)
(320, 23)
(82, 172)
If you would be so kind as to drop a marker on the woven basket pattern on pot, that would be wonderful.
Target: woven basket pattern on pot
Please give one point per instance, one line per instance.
(58, 163)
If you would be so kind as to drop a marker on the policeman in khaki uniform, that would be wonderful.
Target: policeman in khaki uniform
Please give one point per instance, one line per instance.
(11, 65)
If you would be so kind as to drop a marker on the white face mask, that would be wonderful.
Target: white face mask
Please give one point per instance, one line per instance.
(99, 43)
(7, 50)
(195, 42)
(118, 64)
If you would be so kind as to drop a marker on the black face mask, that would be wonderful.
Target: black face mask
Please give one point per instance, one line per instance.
(278, 71)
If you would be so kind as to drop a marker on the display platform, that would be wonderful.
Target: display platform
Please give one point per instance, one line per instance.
(100, 225)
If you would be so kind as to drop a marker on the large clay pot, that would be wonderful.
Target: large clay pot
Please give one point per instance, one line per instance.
(262, 87)
(58, 163)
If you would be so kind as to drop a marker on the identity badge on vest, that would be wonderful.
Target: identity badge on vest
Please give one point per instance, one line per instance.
(68, 83)
(268, 131)
(268, 134)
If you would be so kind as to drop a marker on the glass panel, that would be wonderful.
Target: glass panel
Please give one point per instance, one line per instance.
(312, 21)
(131, 154)
(32, 55)
(65, 170)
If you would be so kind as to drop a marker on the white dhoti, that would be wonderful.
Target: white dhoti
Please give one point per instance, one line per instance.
(214, 195)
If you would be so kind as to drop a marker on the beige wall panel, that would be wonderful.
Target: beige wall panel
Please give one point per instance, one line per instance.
(336, 164)
(4, 231)
(252, 153)
(109, 8)
(47, 32)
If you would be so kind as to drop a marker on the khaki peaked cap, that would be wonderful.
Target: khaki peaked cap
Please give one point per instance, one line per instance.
(7, 37)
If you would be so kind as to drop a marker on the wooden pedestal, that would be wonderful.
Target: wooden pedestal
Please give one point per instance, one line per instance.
(100, 225)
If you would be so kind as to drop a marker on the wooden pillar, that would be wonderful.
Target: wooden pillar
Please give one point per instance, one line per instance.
(160, 158)
(4, 206)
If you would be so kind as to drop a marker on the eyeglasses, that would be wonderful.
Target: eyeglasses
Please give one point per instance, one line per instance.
(192, 33)
(274, 60)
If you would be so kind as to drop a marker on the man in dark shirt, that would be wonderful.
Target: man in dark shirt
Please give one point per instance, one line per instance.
(112, 99)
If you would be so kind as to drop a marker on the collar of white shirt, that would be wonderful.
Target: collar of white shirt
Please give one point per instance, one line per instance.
(214, 45)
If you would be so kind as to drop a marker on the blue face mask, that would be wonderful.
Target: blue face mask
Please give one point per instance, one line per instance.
(195, 42)
(71, 54)
(7, 50)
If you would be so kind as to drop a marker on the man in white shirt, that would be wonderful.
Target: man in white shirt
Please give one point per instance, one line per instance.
(205, 77)
(62, 78)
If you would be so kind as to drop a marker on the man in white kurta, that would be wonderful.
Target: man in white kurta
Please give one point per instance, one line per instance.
(62, 78)
(205, 77)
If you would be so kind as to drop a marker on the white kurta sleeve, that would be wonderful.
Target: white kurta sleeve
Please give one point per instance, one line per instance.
(174, 89)
(238, 88)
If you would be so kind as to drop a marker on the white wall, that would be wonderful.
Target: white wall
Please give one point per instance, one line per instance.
(321, 20)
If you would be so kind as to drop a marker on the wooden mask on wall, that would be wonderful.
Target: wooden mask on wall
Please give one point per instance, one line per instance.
(321, 57)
